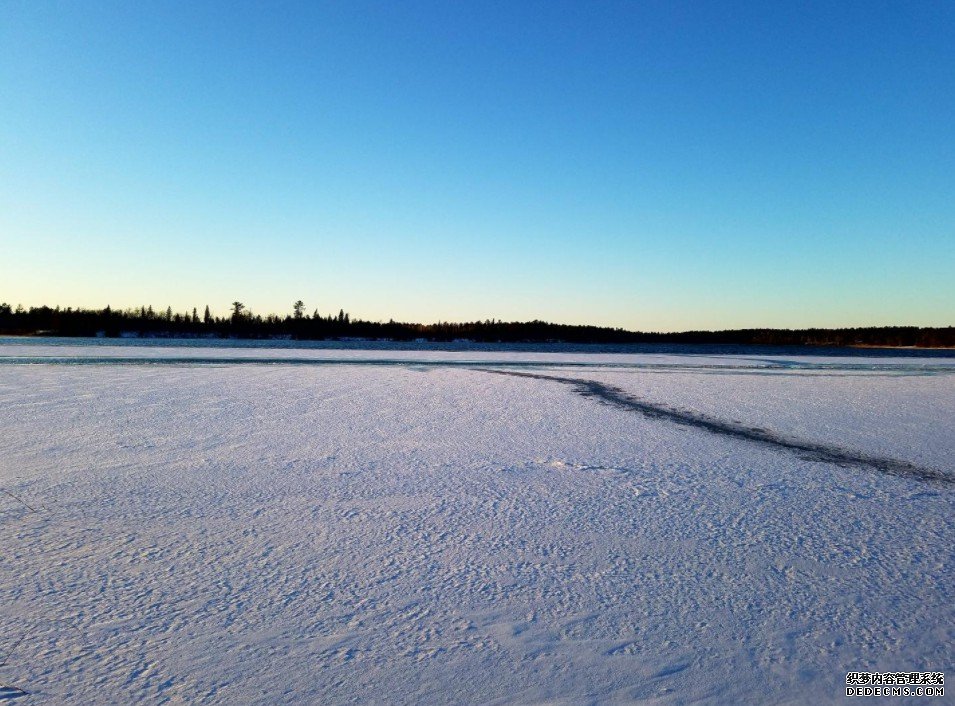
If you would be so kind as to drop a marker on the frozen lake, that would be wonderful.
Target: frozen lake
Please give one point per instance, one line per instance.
(271, 524)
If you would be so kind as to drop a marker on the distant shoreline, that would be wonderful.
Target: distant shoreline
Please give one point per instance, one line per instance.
(240, 323)
(172, 336)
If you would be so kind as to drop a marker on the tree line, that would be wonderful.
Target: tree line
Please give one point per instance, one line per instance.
(242, 322)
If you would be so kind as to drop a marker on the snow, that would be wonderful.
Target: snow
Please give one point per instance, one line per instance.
(412, 527)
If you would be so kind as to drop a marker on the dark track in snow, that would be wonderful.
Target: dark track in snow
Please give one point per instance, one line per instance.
(808, 450)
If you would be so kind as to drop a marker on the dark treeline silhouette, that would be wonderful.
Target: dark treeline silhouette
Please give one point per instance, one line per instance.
(241, 322)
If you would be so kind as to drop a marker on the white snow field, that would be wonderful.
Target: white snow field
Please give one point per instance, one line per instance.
(426, 529)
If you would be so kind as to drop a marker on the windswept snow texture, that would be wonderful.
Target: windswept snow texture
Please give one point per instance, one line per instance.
(420, 528)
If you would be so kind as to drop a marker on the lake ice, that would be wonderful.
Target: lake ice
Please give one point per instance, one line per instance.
(203, 526)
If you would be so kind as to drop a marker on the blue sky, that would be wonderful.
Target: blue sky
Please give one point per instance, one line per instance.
(660, 165)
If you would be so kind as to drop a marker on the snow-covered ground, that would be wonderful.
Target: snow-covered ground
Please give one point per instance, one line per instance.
(425, 529)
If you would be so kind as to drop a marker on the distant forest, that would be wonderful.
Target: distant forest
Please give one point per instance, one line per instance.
(240, 322)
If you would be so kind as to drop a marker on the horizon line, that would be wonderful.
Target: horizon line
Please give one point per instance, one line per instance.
(248, 313)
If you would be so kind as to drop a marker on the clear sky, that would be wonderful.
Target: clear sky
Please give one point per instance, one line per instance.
(653, 165)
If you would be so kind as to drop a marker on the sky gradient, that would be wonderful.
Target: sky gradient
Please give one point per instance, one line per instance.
(656, 166)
